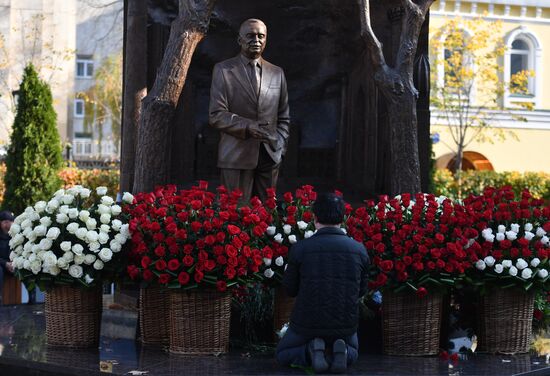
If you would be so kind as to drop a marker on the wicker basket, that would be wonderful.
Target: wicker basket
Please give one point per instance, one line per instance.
(199, 322)
(411, 326)
(282, 308)
(505, 319)
(73, 316)
(154, 317)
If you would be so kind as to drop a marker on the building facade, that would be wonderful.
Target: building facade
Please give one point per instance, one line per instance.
(67, 40)
(526, 36)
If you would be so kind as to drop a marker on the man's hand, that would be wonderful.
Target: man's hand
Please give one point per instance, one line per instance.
(258, 132)
(10, 267)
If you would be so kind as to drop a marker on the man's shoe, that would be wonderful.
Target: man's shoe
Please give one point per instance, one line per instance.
(316, 349)
(340, 356)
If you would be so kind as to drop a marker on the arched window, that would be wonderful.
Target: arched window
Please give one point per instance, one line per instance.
(523, 54)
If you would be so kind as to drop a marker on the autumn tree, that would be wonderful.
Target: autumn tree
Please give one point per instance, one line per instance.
(395, 83)
(103, 100)
(467, 88)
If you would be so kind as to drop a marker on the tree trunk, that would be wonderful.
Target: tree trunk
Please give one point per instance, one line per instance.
(158, 108)
(135, 86)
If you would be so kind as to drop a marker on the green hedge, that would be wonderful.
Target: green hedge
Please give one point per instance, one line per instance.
(474, 182)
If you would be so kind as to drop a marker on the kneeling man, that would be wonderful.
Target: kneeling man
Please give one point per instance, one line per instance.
(327, 274)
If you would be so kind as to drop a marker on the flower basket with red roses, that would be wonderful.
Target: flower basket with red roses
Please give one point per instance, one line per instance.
(511, 265)
(196, 244)
(416, 248)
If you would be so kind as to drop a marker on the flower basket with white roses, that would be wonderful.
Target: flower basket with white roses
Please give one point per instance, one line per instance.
(68, 246)
(511, 266)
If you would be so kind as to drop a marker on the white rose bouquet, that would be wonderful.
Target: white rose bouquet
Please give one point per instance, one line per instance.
(73, 239)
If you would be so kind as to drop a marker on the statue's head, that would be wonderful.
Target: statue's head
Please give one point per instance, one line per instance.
(252, 38)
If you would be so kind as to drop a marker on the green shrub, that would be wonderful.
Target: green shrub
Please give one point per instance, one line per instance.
(34, 155)
(474, 182)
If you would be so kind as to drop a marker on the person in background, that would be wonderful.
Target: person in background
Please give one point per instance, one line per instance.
(6, 220)
(327, 273)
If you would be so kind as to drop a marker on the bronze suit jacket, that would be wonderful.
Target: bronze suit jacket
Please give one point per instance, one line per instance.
(234, 106)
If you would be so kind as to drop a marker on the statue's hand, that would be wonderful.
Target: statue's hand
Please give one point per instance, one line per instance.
(257, 132)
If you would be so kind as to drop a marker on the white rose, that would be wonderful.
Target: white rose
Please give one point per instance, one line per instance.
(489, 261)
(501, 229)
(92, 236)
(85, 193)
(98, 265)
(101, 191)
(535, 262)
(65, 246)
(53, 233)
(26, 223)
(84, 215)
(49, 259)
(77, 249)
(514, 227)
(32, 236)
(528, 227)
(68, 256)
(73, 191)
(14, 229)
(269, 231)
(81, 233)
(308, 234)
(62, 218)
(79, 259)
(116, 225)
(103, 238)
(34, 216)
(498, 268)
(513, 271)
(521, 264)
(75, 271)
(18, 239)
(88, 279)
(269, 273)
(279, 261)
(52, 205)
(89, 259)
(91, 224)
(45, 244)
(107, 200)
(40, 230)
(40, 206)
(287, 229)
(511, 235)
(72, 227)
(105, 254)
(543, 273)
(490, 238)
(529, 236)
(500, 236)
(115, 246)
(46, 221)
(116, 210)
(62, 263)
(526, 273)
(278, 238)
(480, 265)
(267, 261)
(544, 240)
(292, 239)
(125, 230)
(59, 193)
(128, 197)
(73, 213)
(104, 229)
(103, 209)
(105, 218)
(540, 232)
(67, 199)
(121, 238)
(302, 225)
(94, 246)
(507, 263)
(35, 267)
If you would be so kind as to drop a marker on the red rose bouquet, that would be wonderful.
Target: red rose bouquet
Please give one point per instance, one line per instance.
(193, 238)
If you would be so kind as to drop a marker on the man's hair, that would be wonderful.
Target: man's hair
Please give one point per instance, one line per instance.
(251, 21)
(329, 209)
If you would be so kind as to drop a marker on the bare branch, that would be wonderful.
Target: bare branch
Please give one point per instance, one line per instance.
(373, 44)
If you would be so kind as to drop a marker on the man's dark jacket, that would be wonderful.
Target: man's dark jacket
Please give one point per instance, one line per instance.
(327, 274)
(4, 248)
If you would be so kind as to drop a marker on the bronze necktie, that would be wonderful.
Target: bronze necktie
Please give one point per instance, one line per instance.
(255, 77)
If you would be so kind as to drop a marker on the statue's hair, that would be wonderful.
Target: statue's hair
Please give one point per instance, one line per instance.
(251, 21)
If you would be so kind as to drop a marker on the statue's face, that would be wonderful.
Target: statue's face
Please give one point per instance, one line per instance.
(252, 39)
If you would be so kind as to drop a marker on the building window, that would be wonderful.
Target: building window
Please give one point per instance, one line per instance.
(83, 146)
(78, 108)
(84, 68)
(523, 58)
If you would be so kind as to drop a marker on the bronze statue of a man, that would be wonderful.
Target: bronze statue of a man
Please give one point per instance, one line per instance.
(249, 105)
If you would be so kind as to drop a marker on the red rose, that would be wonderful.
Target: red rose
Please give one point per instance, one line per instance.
(173, 265)
(222, 260)
(271, 203)
(230, 273)
(233, 230)
(155, 227)
(188, 260)
(160, 265)
(132, 271)
(210, 239)
(538, 314)
(386, 265)
(421, 292)
(147, 275)
(307, 216)
(258, 231)
(221, 286)
(164, 278)
(288, 197)
(188, 249)
(181, 234)
(145, 262)
(160, 251)
(198, 276)
(270, 192)
(231, 251)
(209, 265)
(454, 357)
(183, 278)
